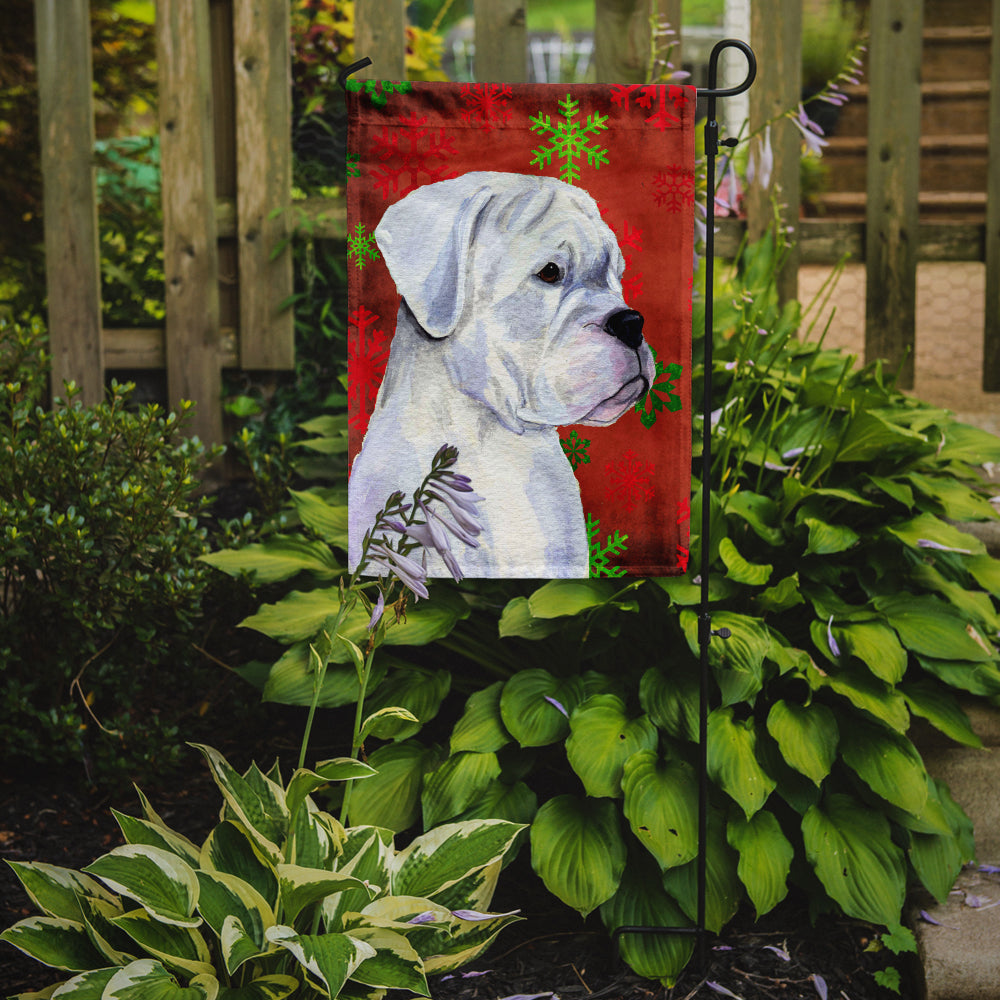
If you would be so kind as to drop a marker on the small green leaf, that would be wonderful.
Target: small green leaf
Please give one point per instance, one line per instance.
(807, 736)
(481, 727)
(738, 569)
(279, 558)
(828, 539)
(559, 598)
(936, 704)
(932, 628)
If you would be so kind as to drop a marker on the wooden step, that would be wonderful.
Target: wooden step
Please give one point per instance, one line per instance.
(956, 53)
(957, 206)
(944, 104)
(940, 13)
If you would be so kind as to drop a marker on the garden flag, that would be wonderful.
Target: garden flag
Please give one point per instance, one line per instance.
(520, 276)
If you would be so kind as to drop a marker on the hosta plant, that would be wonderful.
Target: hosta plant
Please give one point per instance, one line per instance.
(279, 900)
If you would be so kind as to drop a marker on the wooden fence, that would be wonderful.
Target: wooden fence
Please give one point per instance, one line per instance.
(226, 161)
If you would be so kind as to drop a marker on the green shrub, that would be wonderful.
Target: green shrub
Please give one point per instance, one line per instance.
(99, 541)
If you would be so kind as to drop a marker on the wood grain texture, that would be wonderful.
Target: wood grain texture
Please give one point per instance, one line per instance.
(501, 41)
(621, 40)
(892, 215)
(72, 257)
(380, 34)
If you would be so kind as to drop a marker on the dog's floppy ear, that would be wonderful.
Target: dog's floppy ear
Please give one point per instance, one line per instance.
(425, 240)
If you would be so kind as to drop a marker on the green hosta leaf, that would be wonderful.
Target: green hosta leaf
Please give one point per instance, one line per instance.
(765, 858)
(391, 798)
(671, 699)
(828, 539)
(279, 558)
(578, 851)
(481, 728)
(602, 738)
(558, 598)
(418, 690)
(225, 897)
(850, 847)
(870, 436)
(98, 916)
(301, 887)
(275, 987)
(230, 849)
(641, 901)
(941, 709)
(527, 711)
(661, 798)
(732, 760)
(937, 858)
(723, 889)
(738, 661)
(386, 723)
(893, 488)
(976, 678)
(164, 885)
(456, 784)
(807, 736)
(141, 831)
(327, 520)
(758, 511)
(56, 891)
(292, 680)
(986, 571)
(975, 605)
(395, 964)
(864, 691)
(928, 528)
(956, 500)
(738, 569)
(876, 646)
(517, 620)
(330, 959)
(515, 803)
(965, 443)
(783, 595)
(54, 941)
(931, 628)
(147, 979)
(441, 857)
(888, 763)
(684, 593)
(180, 948)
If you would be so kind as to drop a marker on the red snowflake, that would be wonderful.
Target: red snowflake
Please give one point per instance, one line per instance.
(674, 188)
(486, 103)
(648, 94)
(629, 238)
(367, 354)
(683, 555)
(629, 480)
(411, 155)
(683, 510)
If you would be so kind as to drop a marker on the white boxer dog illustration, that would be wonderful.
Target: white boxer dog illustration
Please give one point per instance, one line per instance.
(512, 323)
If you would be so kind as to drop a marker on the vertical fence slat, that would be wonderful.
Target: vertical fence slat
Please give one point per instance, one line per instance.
(190, 253)
(72, 257)
(669, 11)
(501, 41)
(261, 56)
(776, 35)
(892, 215)
(380, 34)
(991, 332)
(621, 40)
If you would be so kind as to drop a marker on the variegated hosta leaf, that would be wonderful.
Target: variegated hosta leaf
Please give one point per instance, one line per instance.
(304, 782)
(54, 941)
(441, 857)
(56, 891)
(395, 964)
(141, 831)
(329, 959)
(476, 890)
(642, 902)
(602, 737)
(850, 847)
(315, 838)
(661, 799)
(578, 851)
(481, 727)
(456, 784)
(158, 880)
(116, 946)
(466, 941)
(367, 853)
(87, 986)
(177, 947)
(732, 760)
(888, 763)
(535, 706)
(230, 849)
(300, 887)
(274, 987)
(765, 858)
(225, 897)
(147, 979)
(807, 736)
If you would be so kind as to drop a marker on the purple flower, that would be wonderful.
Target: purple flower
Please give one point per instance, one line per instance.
(820, 983)
(719, 988)
(834, 648)
(552, 701)
(377, 611)
(461, 505)
(811, 132)
(475, 915)
(780, 952)
(927, 543)
(427, 917)
(761, 163)
(411, 573)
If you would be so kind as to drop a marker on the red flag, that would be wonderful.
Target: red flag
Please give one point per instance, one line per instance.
(520, 273)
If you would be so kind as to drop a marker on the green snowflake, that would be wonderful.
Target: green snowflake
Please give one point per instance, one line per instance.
(378, 91)
(614, 545)
(575, 449)
(353, 165)
(569, 140)
(361, 246)
(660, 397)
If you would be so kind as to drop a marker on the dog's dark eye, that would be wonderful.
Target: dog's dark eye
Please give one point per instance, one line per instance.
(551, 273)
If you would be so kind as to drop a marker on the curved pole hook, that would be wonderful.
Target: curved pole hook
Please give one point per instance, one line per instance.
(712, 90)
(348, 70)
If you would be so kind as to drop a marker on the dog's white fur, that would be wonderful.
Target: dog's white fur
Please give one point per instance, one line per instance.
(489, 357)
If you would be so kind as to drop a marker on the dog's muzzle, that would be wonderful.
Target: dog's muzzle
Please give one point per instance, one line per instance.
(626, 326)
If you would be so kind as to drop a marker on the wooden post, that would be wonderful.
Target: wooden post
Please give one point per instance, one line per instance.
(621, 40)
(991, 333)
(262, 60)
(669, 11)
(776, 35)
(893, 183)
(501, 41)
(190, 254)
(380, 34)
(72, 255)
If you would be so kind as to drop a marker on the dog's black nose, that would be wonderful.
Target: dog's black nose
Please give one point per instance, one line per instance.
(626, 326)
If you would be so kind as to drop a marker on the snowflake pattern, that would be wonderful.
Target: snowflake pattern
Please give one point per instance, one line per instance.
(353, 165)
(629, 238)
(367, 354)
(411, 155)
(600, 554)
(361, 246)
(486, 103)
(661, 395)
(683, 552)
(575, 449)
(648, 94)
(629, 480)
(674, 188)
(569, 140)
(378, 91)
